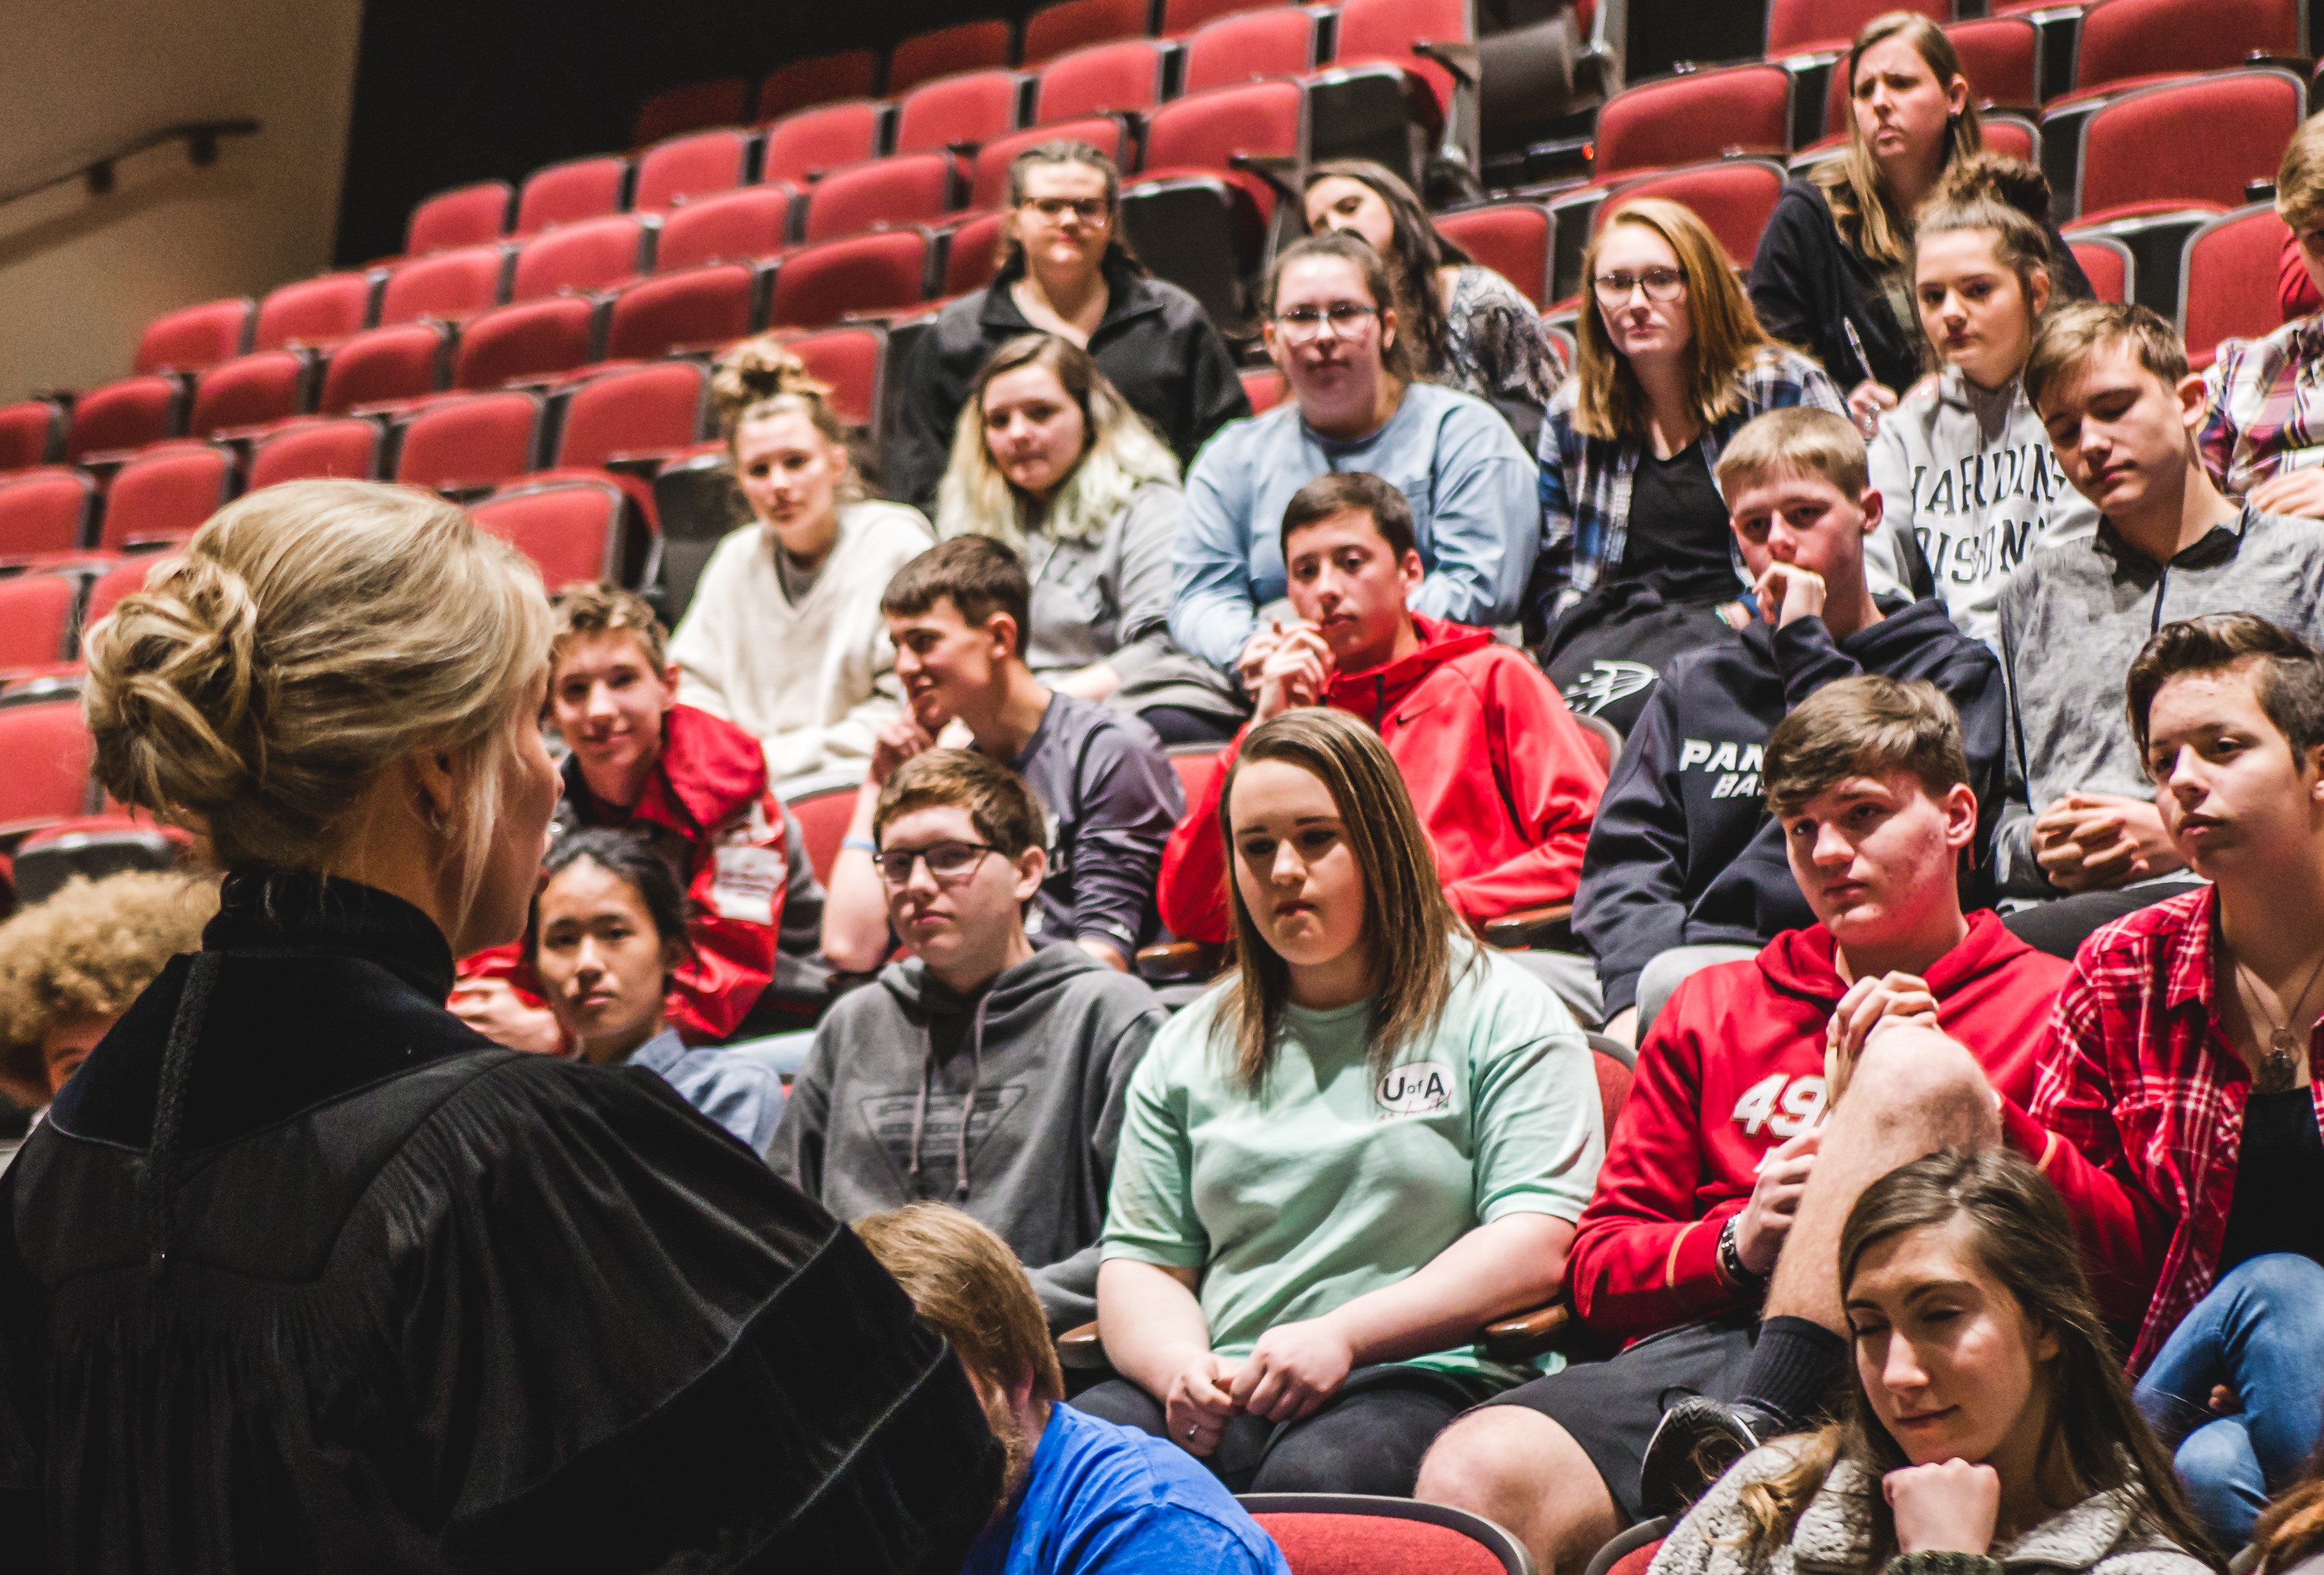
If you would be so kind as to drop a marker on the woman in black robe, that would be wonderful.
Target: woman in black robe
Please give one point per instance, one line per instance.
(303, 1274)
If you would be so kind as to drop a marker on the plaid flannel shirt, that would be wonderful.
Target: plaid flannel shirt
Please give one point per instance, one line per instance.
(2138, 1114)
(2264, 404)
(1585, 482)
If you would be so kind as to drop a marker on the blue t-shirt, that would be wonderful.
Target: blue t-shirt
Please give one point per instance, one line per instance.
(1106, 1498)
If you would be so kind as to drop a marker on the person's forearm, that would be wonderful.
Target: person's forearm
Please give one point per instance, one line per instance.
(1513, 1264)
(1150, 1322)
(854, 904)
(1097, 681)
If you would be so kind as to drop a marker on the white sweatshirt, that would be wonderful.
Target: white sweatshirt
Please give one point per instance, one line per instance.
(813, 682)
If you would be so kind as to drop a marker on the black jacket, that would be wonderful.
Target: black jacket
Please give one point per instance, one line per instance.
(1683, 851)
(1153, 344)
(1805, 280)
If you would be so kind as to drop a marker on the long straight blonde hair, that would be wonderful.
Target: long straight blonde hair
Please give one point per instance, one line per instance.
(1610, 402)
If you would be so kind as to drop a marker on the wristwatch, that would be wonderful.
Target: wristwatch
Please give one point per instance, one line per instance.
(1730, 1258)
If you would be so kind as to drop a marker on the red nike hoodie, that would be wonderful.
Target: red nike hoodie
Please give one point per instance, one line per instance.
(1503, 778)
(1732, 1068)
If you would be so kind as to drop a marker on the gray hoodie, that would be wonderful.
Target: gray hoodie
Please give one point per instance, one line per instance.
(1969, 478)
(875, 1117)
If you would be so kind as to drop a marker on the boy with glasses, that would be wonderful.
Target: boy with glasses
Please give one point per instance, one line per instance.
(980, 1071)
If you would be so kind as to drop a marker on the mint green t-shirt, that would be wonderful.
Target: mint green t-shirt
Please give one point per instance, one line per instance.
(1329, 1185)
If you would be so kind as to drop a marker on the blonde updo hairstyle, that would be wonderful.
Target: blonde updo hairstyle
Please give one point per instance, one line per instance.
(760, 378)
(312, 633)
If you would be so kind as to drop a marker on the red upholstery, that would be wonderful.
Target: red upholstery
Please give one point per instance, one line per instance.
(249, 391)
(909, 190)
(753, 222)
(475, 441)
(1999, 55)
(691, 166)
(51, 748)
(2106, 265)
(1205, 130)
(1515, 240)
(1796, 24)
(1680, 120)
(2014, 136)
(1385, 31)
(317, 311)
(45, 510)
(675, 111)
(818, 80)
(594, 254)
(1277, 42)
(802, 146)
(820, 284)
(570, 527)
(687, 306)
(2139, 38)
(2198, 140)
(128, 414)
(578, 189)
(970, 46)
(529, 339)
(447, 286)
(465, 215)
(973, 255)
(988, 185)
(1053, 30)
(849, 359)
(401, 363)
(1183, 17)
(1734, 197)
(822, 818)
(347, 448)
(31, 432)
(974, 106)
(1638, 1561)
(195, 336)
(1613, 1086)
(121, 580)
(1126, 75)
(36, 615)
(2226, 282)
(165, 495)
(1264, 388)
(1373, 1544)
(1193, 764)
(634, 409)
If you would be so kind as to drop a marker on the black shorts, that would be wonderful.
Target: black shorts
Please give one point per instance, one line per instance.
(1611, 1407)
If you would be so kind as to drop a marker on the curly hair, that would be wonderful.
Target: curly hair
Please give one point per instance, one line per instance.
(89, 949)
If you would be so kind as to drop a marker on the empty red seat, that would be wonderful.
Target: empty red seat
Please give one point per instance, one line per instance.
(578, 188)
(2140, 38)
(973, 254)
(465, 215)
(128, 414)
(470, 440)
(532, 338)
(659, 409)
(1733, 198)
(690, 166)
(195, 336)
(386, 365)
(820, 284)
(1281, 41)
(122, 579)
(1195, 219)
(675, 111)
(1794, 25)
(2001, 56)
(2228, 282)
(686, 308)
(46, 509)
(972, 107)
(1335, 1534)
(1183, 17)
(447, 286)
(1384, 31)
(250, 390)
(1701, 115)
(593, 255)
(1209, 131)
(347, 448)
(2201, 140)
(2106, 264)
(2014, 136)
(31, 432)
(317, 311)
(801, 147)
(161, 498)
(36, 621)
(1515, 240)
(987, 185)
(571, 527)
(908, 190)
(970, 46)
(850, 358)
(1106, 78)
(51, 749)
(1070, 24)
(818, 80)
(753, 222)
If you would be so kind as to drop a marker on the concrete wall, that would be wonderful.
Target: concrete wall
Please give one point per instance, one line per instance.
(79, 275)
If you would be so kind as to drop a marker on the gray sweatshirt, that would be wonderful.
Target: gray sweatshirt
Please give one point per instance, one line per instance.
(2074, 617)
(1969, 478)
(875, 1117)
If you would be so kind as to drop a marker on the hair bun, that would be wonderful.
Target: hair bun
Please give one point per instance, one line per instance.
(759, 369)
(173, 691)
(1997, 178)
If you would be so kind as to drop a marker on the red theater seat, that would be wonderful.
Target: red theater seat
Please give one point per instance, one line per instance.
(908, 190)
(2227, 282)
(401, 363)
(970, 46)
(318, 311)
(1347, 1533)
(1385, 32)
(250, 390)
(819, 284)
(1106, 78)
(754, 222)
(1794, 25)
(657, 409)
(571, 527)
(1194, 218)
(2124, 38)
(1265, 389)
(31, 432)
(1053, 30)
(675, 111)
(1733, 198)
(594, 254)
(36, 620)
(1281, 41)
(2107, 264)
(1701, 115)
(972, 107)
(159, 499)
(1180, 17)
(347, 448)
(1515, 240)
(850, 359)
(691, 166)
(988, 185)
(122, 579)
(465, 215)
(196, 336)
(529, 339)
(128, 414)
(818, 80)
(469, 441)
(578, 189)
(46, 509)
(684, 308)
(973, 255)
(447, 286)
(801, 147)
(52, 749)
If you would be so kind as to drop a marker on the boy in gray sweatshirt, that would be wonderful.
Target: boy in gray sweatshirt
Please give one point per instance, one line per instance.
(981, 1071)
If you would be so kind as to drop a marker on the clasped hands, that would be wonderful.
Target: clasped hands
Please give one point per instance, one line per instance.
(1292, 1370)
(2086, 841)
(1285, 668)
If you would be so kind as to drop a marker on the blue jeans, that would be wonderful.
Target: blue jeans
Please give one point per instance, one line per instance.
(2261, 1333)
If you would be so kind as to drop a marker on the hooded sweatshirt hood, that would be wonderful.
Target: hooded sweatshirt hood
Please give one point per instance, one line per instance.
(1374, 692)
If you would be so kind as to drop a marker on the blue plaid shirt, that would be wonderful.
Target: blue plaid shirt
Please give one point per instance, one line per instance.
(1585, 482)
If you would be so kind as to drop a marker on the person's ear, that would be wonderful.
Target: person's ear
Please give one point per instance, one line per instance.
(1275, 351)
(436, 786)
(673, 955)
(1000, 629)
(2194, 400)
(2045, 1344)
(2314, 763)
(1960, 805)
(1874, 506)
(1412, 571)
(1032, 867)
(1957, 96)
(1387, 328)
(2037, 293)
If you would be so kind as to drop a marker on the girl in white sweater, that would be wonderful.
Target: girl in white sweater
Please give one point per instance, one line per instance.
(784, 638)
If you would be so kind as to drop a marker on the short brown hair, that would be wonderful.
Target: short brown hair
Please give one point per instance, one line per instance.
(1119, 253)
(93, 947)
(2300, 178)
(2290, 681)
(977, 573)
(963, 1280)
(1336, 492)
(1865, 726)
(1798, 441)
(602, 609)
(1001, 805)
(2070, 334)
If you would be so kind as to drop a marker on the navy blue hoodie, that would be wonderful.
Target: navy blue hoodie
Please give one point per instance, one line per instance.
(1683, 851)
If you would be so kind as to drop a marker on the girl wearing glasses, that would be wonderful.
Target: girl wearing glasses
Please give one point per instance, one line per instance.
(1065, 268)
(1369, 1140)
(1671, 363)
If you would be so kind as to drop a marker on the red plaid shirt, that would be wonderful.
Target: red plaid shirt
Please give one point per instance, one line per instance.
(2138, 1114)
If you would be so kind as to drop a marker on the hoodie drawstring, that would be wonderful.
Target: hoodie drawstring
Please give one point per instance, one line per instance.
(967, 1107)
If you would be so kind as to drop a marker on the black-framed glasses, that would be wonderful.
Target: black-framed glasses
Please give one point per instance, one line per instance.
(948, 861)
(1305, 322)
(1090, 210)
(1661, 284)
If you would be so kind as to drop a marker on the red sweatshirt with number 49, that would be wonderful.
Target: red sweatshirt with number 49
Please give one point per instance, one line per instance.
(1733, 1067)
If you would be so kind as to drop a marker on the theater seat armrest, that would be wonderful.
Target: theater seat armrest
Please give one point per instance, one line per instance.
(1460, 59)
(1176, 961)
(1530, 928)
(1080, 1348)
(1528, 1334)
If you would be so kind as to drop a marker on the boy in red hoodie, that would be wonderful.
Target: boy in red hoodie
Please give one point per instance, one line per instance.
(1705, 1171)
(695, 788)
(1504, 780)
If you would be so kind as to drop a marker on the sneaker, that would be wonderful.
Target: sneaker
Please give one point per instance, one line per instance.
(1693, 1446)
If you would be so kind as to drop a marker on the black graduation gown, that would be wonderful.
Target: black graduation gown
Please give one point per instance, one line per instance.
(425, 1304)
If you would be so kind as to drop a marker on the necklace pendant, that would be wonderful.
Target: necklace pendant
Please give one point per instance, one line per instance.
(2279, 1069)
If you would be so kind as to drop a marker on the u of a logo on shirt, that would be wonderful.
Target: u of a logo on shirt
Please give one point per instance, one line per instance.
(1417, 1088)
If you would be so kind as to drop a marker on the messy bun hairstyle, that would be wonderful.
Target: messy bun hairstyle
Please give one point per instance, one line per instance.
(760, 378)
(2007, 197)
(313, 633)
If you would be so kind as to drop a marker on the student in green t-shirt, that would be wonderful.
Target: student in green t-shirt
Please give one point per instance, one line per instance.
(1371, 1139)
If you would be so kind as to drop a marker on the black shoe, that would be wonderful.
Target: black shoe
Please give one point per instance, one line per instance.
(1695, 1443)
